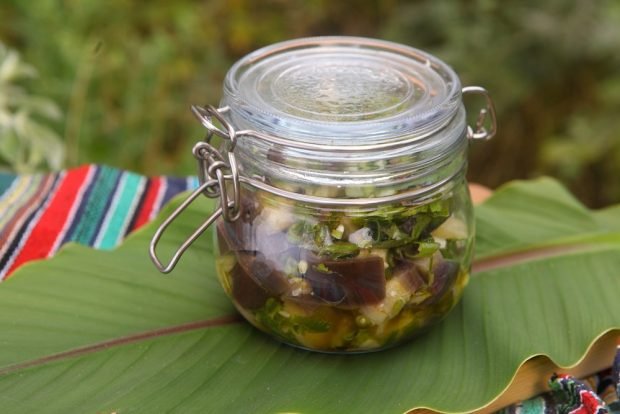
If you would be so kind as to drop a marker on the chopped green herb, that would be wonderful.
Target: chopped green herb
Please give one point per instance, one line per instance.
(305, 324)
(426, 248)
(421, 223)
(322, 268)
(340, 250)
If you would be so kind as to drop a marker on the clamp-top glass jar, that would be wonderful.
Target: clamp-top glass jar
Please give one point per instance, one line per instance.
(345, 222)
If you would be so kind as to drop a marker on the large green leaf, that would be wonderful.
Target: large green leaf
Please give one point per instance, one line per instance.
(101, 332)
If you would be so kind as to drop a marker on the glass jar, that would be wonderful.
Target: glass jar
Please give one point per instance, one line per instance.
(345, 222)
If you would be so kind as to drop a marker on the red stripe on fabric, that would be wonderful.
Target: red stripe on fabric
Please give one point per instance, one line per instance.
(53, 220)
(18, 231)
(27, 205)
(148, 204)
(160, 198)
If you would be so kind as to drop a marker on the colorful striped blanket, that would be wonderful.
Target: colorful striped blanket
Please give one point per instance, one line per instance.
(98, 206)
(92, 205)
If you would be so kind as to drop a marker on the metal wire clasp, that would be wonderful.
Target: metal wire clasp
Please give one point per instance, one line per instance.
(214, 172)
(485, 116)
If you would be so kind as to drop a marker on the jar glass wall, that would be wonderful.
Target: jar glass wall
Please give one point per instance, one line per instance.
(347, 279)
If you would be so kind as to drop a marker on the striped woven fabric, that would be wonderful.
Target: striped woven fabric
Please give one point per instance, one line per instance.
(92, 205)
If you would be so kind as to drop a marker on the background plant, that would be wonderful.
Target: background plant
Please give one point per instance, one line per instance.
(26, 142)
(126, 72)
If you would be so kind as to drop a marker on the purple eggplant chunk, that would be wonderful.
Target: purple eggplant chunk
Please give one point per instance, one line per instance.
(328, 286)
(263, 272)
(255, 279)
(233, 236)
(251, 236)
(347, 282)
(444, 274)
(407, 272)
(245, 290)
(272, 245)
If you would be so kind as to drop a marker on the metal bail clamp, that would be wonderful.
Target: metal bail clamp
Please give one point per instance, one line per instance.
(480, 132)
(214, 171)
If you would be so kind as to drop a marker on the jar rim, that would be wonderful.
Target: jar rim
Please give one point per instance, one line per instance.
(341, 90)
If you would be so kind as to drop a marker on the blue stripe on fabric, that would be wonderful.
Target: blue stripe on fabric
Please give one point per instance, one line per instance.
(174, 186)
(94, 205)
(129, 188)
(192, 183)
(71, 233)
(114, 179)
(6, 180)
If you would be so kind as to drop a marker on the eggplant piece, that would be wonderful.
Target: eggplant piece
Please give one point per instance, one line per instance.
(255, 279)
(441, 276)
(271, 245)
(348, 282)
(328, 286)
(445, 273)
(234, 236)
(242, 236)
(245, 290)
(263, 272)
(407, 271)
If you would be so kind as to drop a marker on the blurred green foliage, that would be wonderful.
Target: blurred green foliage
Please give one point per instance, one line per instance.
(125, 72)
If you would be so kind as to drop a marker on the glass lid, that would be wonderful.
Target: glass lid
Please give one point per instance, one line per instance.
(341, 89)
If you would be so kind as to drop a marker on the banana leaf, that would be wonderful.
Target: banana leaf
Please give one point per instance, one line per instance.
(104, 332)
